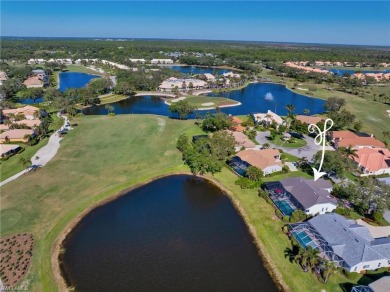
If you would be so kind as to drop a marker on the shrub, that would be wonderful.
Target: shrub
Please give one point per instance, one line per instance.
(286, 219)
(351, 275)
(246, 183)
(285, 169)
(342, 211)
(377, 216)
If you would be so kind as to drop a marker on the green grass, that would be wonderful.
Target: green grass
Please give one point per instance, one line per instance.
(112, 98)
(81, 69)
(289, 157)
(100, 157)
(11, 166)
(104, 155)
(199, 100)
(297, 144)
(9, 218)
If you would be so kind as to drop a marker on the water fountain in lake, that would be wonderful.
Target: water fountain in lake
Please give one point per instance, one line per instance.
(269, 96)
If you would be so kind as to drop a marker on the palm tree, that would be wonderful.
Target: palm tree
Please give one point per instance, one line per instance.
(329, 268)
(306, 111)
(313, 256)
(290, 109)
(266, 145)
(302, 161)
(347, 152)
(109, 108)
(24, 162)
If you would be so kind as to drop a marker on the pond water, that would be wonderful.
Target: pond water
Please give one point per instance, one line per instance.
(75, 80)
(177, 233)
(256, 97)
(199, 70)
(341, 72)
(31, 100)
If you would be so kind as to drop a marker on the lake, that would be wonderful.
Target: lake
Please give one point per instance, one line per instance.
(178, 233)
(198, 70)
(253, 100)
(341, 72)
(75, 80)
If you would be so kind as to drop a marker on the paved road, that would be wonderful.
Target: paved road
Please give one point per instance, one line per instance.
(308, 151)
(43, 155)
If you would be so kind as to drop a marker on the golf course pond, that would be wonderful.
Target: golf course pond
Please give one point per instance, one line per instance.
(177, 233)
(254, 98)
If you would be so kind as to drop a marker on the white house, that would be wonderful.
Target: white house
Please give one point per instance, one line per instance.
(268, 118)
(182, 84)
(161, 61)
(342, 241)
(138, 61)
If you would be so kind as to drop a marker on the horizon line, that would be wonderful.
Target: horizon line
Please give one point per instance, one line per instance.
(189, 39)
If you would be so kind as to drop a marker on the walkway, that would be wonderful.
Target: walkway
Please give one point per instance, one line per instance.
(308, 151)
(43, 155)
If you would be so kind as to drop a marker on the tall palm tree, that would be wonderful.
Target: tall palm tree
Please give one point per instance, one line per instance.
(290, 109)
(302, 161)
(347, 152)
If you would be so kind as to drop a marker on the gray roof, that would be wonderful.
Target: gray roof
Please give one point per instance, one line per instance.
(309, 192)
(350, 241)
(386, 180)
(381, 285)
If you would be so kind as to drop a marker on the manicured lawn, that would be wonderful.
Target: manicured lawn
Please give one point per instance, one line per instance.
(82, 69)
(104, 155)
(12, 166)
(100, 157)
(296, 144)
(201, 101)
(110, 98)
(289, 157)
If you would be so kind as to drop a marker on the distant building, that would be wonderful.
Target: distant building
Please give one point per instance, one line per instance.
(29, 112)
(231, 75)
(342, 241)
(209, 77)
(161, 61)
(138, 61)
(182, 84)
(3, 77)
(17, 135)
(309, 119)
(268, 118)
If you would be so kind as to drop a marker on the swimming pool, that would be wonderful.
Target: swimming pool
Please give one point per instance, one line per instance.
(284, 207)
(304, 239)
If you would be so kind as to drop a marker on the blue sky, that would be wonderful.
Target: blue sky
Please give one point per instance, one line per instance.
(344, 22)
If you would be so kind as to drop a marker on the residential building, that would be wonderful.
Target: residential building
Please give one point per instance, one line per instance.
(29, 123)
(4, 127)
(242, 140)
(380, 285)
(237, 125)
(17, 135)
(268, 160)
(372, 161)
(209, 77)
(268, 118)
(8, 149)
(29, 112)
(343, 242)
(231, 75)
(309, 119)
(161, 61)
(33, 82)
(3, 77)
(182, 84)
(138, 61)
(354, 140)
(295, 193)
(36, 61)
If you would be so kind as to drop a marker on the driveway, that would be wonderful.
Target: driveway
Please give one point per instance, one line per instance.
(308, 151)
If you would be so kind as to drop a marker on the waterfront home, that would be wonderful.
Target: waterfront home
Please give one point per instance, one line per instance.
(342, 241)
(237, 125)
(161, 61)
(8, 149)
(29, 112)
(3, 77)
(29, 123)
(291, 194)
(138, 61)
(182, 84)
(242, 140)
(306, 68)
(209, 77)
(377, 76)
(309, 119)
(267, 160)
(231, 75)
(33, 82)
(380, 285)
(354, 140)
(268, 118)
(372, 161)
(17, 135)
(35, 61)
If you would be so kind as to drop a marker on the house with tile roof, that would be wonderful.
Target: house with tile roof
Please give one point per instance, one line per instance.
(309, 119)
(268, 160)
(342, 241)
(372, 161)
(241, 139)
(16, 135)
(237, 125)
(354, 140)
(29, 112)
